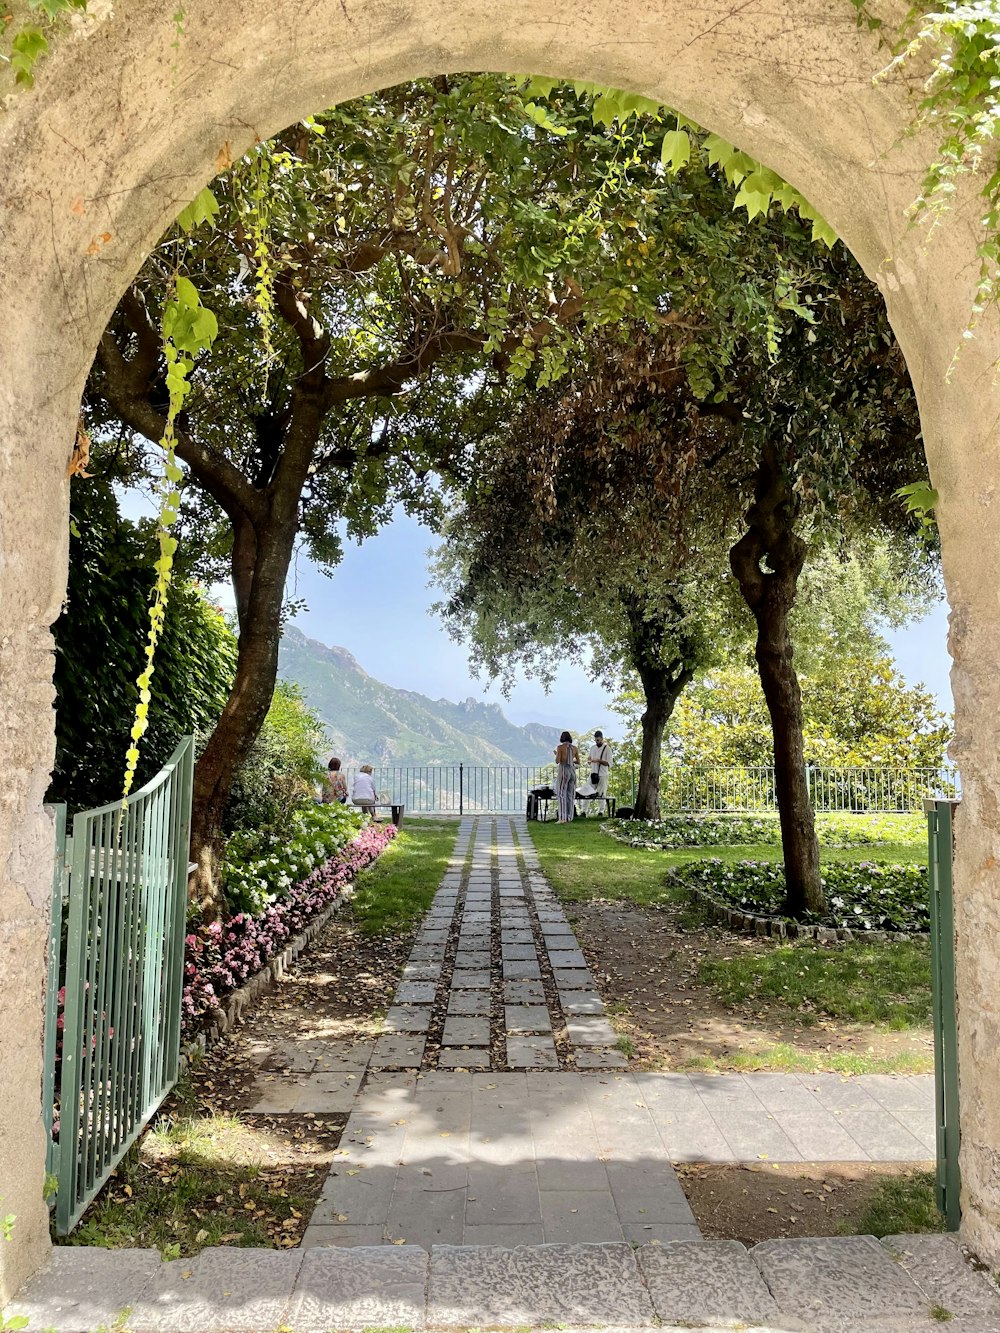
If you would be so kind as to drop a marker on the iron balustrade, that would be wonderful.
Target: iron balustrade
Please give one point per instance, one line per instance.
(460, 788)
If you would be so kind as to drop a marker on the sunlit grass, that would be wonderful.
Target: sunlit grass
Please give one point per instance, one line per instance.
(582, 863)
(901, 1206)
(781, 1057)
(858, 981)
(394, 893)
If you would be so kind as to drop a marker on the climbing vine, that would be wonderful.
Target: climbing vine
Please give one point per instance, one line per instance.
(31, 40)
(961, 103)
(187, 329)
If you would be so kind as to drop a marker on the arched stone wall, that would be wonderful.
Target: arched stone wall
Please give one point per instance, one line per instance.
(122, 130)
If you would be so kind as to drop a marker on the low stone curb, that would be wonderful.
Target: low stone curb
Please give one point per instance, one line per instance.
(855, 1283)
(237, 1006)
(750, 923)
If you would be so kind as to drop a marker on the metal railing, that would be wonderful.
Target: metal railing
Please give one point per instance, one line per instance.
(503, 789)
(940, 841)
(115, 978)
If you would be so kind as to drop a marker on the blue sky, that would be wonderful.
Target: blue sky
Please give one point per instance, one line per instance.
(377, 605)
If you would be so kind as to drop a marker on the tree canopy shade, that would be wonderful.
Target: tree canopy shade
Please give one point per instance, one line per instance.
(362, 268)
(374, 269)
(771, 385)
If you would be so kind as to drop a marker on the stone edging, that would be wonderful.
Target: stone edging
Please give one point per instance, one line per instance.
(749, 923)
(239, 1004)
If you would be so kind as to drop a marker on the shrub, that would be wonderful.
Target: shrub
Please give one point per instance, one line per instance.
(282, 769)
(221, 957)
(833, 829)
(260, 866)
(862, 896)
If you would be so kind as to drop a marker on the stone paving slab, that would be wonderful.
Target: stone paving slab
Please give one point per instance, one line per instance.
(359, 1288)
(220, 1291)
(706, 1282)
(940, 1269)
(344, 1279)
(531, 1285)
(81, 1288)
(838, 1277)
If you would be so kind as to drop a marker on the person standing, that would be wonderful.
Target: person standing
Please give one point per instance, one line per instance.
(599, 760)
(567, 758)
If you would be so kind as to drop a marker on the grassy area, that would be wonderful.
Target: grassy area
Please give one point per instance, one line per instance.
(779, 1057)
(396, 891)
(859, 982)
(198, 1179)
(900, 1206)
(583, 863)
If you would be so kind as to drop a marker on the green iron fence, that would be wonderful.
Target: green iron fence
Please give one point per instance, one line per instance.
(940, 840)
(115, 980)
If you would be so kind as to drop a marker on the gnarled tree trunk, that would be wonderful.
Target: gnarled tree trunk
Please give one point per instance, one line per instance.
(770, 594)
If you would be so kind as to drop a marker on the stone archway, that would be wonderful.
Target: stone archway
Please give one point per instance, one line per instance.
(125, 126)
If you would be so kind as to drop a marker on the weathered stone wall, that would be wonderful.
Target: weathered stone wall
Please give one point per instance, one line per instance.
(123, 129)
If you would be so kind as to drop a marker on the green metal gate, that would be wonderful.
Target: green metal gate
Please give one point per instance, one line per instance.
(115, 978)
(940, 840)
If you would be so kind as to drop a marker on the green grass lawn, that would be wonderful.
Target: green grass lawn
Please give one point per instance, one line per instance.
(885, 985)
(583, 863)
(901, 1205)
(859, 982)
(394, 893)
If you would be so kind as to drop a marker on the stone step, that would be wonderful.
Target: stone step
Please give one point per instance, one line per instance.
(829, 1285)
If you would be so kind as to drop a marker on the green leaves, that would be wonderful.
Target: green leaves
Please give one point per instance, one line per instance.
(28, 46)
(188, 328)
(30, 43)
(540, 117)
(919, 499)
(204, 207)
(675, 150)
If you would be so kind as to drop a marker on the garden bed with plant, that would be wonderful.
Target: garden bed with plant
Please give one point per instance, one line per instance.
(833, 829)
(867, 898)
(280, 886)
(684, 993)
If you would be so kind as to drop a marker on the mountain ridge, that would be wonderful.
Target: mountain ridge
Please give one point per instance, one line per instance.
(369, 721)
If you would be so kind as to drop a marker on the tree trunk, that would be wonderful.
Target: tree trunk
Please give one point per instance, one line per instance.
(770, 595)
(661, 695)
(246, 708)
(663, 654)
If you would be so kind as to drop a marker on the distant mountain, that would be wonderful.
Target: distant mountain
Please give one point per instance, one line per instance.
(371, 722)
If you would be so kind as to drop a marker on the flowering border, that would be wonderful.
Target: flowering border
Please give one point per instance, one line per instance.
(226, 956)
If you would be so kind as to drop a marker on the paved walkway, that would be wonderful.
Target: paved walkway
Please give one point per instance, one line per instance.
(501, 1166)
(851, 1284)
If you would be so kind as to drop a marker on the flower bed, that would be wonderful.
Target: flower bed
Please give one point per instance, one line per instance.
(833, 829)
(861, 898)
(225, 955)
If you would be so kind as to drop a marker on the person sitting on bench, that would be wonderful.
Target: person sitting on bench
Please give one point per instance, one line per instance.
(363, 793)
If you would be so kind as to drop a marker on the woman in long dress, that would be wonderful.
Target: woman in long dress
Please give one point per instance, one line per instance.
(567, 758)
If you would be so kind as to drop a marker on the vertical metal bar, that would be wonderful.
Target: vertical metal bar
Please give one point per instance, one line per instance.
(73, 1038)
(461, 789)
(53, 980)
(939, 824)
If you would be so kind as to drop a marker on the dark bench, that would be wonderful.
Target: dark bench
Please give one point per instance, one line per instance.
(397, 810)
(612, 804)
(541, 804)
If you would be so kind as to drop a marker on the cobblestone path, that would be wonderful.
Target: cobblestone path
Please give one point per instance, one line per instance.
(496, 979)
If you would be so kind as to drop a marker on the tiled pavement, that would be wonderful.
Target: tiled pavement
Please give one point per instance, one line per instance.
(500, 1166)
(831, 1285)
